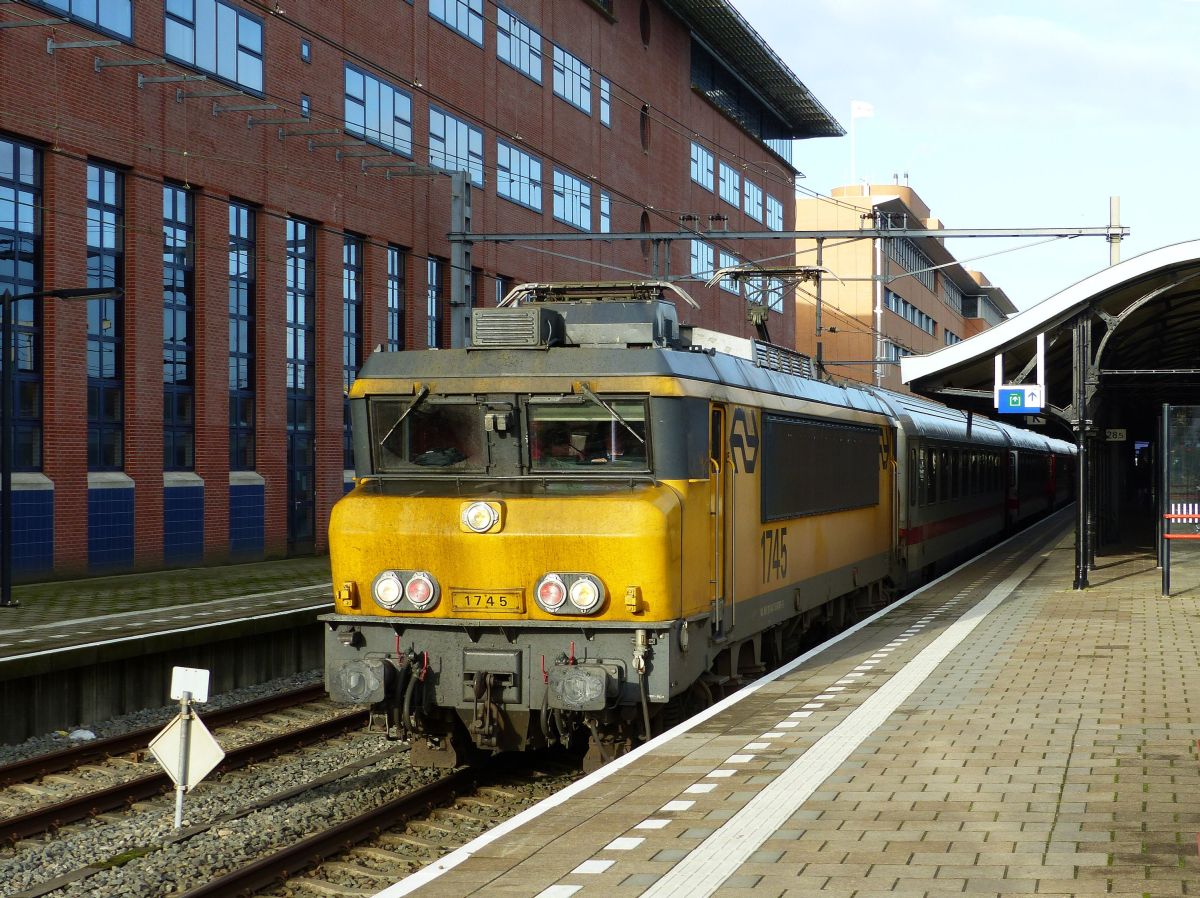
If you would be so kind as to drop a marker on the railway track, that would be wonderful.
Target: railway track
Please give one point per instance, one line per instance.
(92, 802)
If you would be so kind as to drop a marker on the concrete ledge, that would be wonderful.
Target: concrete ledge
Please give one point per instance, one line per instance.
(246, 478)
(42, 692)
(30, 480)
(109, 480)
(181, 478)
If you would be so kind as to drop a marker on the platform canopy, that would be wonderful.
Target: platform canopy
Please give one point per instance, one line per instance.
(1119, 344)
(1142, 318)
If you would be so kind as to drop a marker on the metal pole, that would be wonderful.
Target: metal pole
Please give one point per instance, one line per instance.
(1114, 223)
(185, 738)
(6, 454)
(1164, 499)
(1083, 491)
(460, 258)
(820, 348)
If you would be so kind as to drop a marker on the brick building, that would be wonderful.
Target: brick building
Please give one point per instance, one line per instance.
(889, 297)
(255, 178)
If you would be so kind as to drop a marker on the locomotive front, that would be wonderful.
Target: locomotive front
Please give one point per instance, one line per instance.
(509, 567)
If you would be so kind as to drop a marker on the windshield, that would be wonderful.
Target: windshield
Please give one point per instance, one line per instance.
(412, 435)
(587, 436)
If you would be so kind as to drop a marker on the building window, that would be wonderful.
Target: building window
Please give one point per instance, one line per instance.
(20, 272)
(774, 214)
(702, 260)
(950, 337)
(352, 332)
(730, 182)
(305, 106)
(396, 261)
(503, 285)
(774, 294)
(910, 313)
(605, 213)
(241, 336)
(572, 201)
(434, 281)
(464, 16)
(702, 167)
(904, 253)
(218, 38)
(572, 80)
(518, 176)
(106, 318)
(605, 103)
(305, 50)
(455, 146)
(179, 394)
(954, 296)
(752, 203)
(519, 45)
(728, 284)
(301, 292)
(893, 352)
(113, 16)
(378, 112)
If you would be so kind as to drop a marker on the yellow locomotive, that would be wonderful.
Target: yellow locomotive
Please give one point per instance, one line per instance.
(593, 519)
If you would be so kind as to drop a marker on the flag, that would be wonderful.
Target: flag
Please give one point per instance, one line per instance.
(861, 109)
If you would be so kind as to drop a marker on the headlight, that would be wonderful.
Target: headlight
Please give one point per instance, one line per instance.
(422, 591)
(585, 594)
(388, 590)
(480, 517)
(551, 592)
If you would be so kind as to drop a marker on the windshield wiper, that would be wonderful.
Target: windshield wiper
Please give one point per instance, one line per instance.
(420, 397)
(587, 391)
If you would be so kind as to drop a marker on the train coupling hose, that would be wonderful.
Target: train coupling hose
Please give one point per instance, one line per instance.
(641, 646)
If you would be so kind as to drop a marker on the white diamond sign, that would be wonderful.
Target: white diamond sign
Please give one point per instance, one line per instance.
(203, 752)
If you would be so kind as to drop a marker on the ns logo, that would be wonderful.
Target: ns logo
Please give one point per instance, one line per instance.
(743, 441)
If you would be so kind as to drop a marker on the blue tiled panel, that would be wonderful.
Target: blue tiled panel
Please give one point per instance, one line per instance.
(110, 529)
(33, 533)
(247, 509)
(183, 524)
(347, 486)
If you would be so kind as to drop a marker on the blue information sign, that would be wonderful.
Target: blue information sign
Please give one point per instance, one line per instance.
(1020, 400)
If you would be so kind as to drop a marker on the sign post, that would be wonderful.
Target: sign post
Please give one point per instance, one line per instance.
(185, 748)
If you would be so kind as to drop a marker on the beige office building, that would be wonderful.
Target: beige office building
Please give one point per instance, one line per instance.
(883, 298)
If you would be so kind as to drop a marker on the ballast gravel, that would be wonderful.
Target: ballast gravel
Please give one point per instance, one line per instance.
(155, 866)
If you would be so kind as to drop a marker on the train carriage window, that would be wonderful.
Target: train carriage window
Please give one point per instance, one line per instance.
(442, 435)
(582, 436)
(914, 479)
(931, 484)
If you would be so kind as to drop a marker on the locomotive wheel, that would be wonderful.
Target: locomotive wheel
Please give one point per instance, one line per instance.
(683, 706)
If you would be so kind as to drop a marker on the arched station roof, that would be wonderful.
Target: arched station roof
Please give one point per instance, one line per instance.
(1143, 316)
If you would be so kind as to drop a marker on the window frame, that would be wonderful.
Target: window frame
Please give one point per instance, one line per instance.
(473, 135)
(524, 61)
(243, 227)
(398, 145)
(65, 7)
(173, 16)
(703, 167)
(504, 174)
(581, 190)
(471, 9)
(572, 80)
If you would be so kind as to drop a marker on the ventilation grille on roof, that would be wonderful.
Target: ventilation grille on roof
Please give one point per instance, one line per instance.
(505, 327)
(777, 358)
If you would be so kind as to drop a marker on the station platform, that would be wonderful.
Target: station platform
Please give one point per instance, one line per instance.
(79, 651)
(995, 733)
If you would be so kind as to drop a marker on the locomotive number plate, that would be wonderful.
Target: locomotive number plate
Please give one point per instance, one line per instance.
(495, 601)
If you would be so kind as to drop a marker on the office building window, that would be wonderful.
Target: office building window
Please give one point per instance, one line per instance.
(953, 295)
(774, 297)
(605, 103)
(216, 37)
(910, 313)
(378, 112)
(464, 16)
(502, 285)
(702, 260)
(730, 185)
(519, 45)
(702, 166)
(572, 80)
(305, 50)
(397, 259)
(21, 273)
(605, 213)
(728, 284)
(454, 145)
(178, 329)
(518, 176)
(113, 16)
(904, 252)
(305, 106)
(572, 201)
(774, 214)
(241, 336)
(352, 332)
(951, 338)
(434, 280)
(106, 318)
(753, 200)
(300, 382)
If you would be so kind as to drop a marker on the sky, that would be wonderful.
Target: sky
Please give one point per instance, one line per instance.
(1008, 114)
